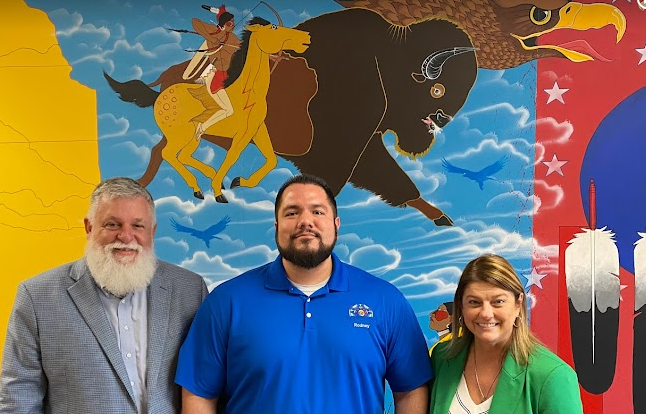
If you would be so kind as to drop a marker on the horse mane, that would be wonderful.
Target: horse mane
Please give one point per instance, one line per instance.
(240, 56)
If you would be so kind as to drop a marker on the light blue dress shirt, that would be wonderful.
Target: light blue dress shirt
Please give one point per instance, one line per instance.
(129, 319)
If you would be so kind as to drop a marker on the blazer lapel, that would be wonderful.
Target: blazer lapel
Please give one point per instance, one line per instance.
(451, 375)
(158, 316)
(85, 294)
(510, 387)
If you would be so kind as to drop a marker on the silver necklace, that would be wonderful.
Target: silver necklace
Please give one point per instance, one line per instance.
(475, 365)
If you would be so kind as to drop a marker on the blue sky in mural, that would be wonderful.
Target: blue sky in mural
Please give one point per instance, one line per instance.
(130, 40)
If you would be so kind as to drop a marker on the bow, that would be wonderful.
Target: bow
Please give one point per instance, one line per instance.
(280, 23)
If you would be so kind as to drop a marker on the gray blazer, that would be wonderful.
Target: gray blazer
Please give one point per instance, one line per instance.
(61, 354)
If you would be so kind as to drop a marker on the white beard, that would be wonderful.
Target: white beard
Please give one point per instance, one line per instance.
(117, 277)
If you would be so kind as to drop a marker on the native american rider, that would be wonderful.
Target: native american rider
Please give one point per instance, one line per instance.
(219, 45)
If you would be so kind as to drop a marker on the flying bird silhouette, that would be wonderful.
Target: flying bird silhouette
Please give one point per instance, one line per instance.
(478, 176)
(205, 235)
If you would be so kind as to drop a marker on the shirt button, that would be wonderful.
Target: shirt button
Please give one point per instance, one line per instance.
(128, 355)
(308, 299)
(309, 315)
(132, 383)
(123, 301)
(125, 328)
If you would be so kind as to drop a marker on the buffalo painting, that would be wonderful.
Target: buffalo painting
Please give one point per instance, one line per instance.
(369, 77)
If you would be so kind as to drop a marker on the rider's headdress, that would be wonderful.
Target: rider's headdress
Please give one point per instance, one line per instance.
(221, 11)
(218, 11)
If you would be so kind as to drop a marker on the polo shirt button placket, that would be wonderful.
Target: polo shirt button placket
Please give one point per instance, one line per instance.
(308, 313)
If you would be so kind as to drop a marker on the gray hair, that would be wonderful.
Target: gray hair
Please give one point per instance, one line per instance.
(119, 187)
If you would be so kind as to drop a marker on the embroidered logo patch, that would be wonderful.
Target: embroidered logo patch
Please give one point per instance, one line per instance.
(360, 310)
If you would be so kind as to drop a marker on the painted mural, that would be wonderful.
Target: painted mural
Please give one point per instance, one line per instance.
(447, 129)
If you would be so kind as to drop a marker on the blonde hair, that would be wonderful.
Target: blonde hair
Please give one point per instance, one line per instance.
(496, 271)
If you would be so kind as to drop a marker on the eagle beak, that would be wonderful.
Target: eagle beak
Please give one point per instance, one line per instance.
(591, 16)
(579, 16)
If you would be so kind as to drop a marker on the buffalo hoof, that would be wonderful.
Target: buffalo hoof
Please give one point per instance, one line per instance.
(198, 194)
(235, 183)
(443, 220)
(221, 199)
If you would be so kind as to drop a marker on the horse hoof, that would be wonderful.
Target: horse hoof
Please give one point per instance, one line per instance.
(198, 194)
(443, 220)
(221, 199)
(235, 183)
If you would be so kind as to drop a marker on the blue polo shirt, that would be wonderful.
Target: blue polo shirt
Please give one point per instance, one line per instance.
(260, 345)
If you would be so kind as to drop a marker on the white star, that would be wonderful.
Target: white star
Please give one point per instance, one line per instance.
(621, 287)
(642, 52)
(534, 278)
(554, 165)
(556, 93)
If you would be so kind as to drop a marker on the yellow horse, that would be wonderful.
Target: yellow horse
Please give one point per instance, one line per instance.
(179, 108)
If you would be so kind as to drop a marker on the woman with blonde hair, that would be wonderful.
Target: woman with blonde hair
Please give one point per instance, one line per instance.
(496, 365)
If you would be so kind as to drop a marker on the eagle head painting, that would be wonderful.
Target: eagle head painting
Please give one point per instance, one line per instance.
(508, 33)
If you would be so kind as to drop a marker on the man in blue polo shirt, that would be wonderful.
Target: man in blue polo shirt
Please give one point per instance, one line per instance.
(306, 333)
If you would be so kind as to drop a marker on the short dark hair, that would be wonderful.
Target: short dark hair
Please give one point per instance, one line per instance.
(224, 18)
(449, 307)
(306, 179)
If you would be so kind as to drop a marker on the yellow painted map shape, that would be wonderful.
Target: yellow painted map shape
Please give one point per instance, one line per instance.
(48, 152)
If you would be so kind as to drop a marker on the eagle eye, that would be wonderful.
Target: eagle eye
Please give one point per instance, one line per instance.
(540, 16)
(437, 90)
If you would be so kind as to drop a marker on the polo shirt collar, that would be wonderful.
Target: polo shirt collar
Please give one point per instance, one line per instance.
(276, 277)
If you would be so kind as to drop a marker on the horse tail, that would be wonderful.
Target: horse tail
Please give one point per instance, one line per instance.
(134, 91)
(154, 163)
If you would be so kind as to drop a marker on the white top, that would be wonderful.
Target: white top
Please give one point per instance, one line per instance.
(463, 404)
(309, 289)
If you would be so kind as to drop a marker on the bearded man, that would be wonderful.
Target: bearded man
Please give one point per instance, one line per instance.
(305, 333)
(102, 334)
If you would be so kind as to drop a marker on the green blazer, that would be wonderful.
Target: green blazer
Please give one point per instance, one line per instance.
(547, 385)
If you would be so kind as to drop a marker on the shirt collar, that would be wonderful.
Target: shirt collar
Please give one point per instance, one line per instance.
(276, 277)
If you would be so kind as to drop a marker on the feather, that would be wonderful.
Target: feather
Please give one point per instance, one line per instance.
(592, 282)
